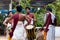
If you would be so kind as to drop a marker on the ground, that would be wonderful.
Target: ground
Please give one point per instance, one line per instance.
(57, 38)
(4, 38)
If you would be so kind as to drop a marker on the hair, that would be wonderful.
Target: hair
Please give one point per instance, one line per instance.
(9, 12)
(19, 8)
(49, 9)
(27, 8)
(17, 3)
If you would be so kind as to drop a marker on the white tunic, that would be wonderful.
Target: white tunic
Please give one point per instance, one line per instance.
(51, 32)
(19, 32)
(25, 22)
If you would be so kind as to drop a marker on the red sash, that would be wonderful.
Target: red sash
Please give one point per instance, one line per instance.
(48, 22)
(31, 15)
(15, 17)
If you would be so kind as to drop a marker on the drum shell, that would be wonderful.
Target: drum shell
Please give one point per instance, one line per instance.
(31, 33)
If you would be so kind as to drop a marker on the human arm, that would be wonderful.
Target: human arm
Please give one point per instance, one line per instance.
(5, 22)
(28, 19)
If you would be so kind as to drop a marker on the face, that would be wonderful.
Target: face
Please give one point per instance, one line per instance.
(10, 14)
(46, 11)
(27, 10)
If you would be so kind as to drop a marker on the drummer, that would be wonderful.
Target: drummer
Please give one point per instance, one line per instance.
(31, 15)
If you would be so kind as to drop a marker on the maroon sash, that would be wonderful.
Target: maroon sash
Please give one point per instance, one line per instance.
(15, 17)
(48, 22)
(31, 15)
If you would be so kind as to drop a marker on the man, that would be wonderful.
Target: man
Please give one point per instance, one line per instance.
(31, 15)
(18, 32)
(8, 24)
(49, 24)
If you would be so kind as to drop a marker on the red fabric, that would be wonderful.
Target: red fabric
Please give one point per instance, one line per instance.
(15, 17)
(48, 21)
(31, 15)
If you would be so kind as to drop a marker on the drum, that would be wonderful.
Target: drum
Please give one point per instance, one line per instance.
(30, 30)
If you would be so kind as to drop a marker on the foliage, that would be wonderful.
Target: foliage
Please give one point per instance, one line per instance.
(25, 3)
(40, 14)
(1, 19)
(56, 9)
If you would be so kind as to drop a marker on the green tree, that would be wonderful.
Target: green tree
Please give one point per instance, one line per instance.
(40, 14)
(56, 10)
(25, 3)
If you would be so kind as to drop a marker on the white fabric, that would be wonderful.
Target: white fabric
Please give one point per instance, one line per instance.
(25, 22)
(31, 21)
(52, 17)
(45, 18)
(19, 32)
(51, 33)
(9, 26)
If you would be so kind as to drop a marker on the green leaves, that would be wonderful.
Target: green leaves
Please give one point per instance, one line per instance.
(1, 19)
(56, 10)
(39, 15)
(25, 3)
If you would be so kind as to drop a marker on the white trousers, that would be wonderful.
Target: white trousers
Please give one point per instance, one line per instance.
(19, 32)
(51, 33)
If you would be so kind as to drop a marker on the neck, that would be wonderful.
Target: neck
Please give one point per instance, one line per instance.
(28, 13)
(18, 12)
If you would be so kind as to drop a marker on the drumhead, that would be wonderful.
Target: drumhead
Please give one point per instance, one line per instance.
(29, 27)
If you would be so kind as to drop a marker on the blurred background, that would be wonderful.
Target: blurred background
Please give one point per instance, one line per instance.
(37, 7)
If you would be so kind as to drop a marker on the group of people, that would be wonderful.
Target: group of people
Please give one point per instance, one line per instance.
(16, 24)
